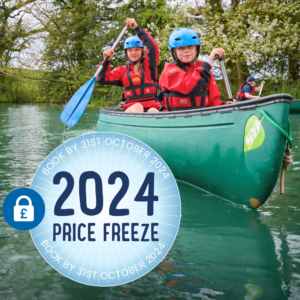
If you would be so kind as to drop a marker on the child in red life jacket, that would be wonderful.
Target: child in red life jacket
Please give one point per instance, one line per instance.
(139, 75)
(247, 89)
(186, 82)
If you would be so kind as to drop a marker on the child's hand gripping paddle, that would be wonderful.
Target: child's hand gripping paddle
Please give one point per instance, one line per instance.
(224, 73)
(78, 103)
(261, 89)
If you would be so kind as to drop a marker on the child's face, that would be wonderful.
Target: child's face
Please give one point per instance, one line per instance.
(134, 54)
(186, 54)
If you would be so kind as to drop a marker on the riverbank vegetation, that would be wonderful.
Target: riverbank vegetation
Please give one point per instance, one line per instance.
(48, 49)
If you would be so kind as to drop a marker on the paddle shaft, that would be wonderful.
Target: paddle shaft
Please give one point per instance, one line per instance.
(261, 89)
(224, 73)
(113, 48)
(78, 103)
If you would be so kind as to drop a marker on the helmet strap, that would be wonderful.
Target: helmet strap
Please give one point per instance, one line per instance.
(135, 62)
(180, 63)
(174, 55)
(197, 51)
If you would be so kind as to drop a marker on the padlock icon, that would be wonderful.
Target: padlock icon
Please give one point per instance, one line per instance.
(23, 213)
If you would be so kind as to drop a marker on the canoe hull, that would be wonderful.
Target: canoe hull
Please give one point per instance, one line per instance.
(206, 147)
(295, 107)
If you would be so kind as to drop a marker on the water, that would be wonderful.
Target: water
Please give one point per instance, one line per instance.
(221, 252)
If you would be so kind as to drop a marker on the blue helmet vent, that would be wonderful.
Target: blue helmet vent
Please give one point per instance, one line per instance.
(183, 37)
(133, 42)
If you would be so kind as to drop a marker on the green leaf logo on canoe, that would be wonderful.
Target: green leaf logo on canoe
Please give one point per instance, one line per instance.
(254, 133)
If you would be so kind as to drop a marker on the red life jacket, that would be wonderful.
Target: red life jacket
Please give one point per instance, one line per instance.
(240, 95)
(138, 92)
(177, 101)
(138, 88)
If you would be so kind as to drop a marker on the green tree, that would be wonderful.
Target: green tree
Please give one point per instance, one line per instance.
(275, 35)
(71, 43)
(144, 12)
(77, 33)
(15, 34)
(257, 35)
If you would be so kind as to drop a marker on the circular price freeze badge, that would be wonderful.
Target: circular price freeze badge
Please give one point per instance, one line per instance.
(112, 209)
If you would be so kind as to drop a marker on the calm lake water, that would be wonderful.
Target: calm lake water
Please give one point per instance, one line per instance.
(222, 251)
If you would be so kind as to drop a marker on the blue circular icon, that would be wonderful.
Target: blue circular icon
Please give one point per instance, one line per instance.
(112, 209)
(23, 209)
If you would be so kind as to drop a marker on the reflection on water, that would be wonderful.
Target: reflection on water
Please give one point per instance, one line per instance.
(222, 251)
(282, 215)
(232, 249)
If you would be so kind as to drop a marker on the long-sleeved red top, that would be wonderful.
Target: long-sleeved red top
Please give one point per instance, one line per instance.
(141, 87)
(189, 86)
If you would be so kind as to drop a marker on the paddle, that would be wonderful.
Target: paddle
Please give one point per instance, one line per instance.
(261, 89)
(78, 103)
(224, 73)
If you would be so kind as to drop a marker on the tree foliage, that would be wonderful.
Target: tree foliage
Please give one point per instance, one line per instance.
(258, 36)
(15, 34)
(77, 33)
(66, 38)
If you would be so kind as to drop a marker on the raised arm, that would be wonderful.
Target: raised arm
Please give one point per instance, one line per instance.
(152, 52)
(108, 77)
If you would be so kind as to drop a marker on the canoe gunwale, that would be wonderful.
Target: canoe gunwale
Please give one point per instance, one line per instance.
(247, 105)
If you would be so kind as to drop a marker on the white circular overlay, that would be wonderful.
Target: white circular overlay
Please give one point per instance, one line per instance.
(112, 209)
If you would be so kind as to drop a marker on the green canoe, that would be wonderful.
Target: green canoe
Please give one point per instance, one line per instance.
(295, 107)
(230, 151)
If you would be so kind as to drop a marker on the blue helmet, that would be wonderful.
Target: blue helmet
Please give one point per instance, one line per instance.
(183, 37)
(133, 41)
(251, 78)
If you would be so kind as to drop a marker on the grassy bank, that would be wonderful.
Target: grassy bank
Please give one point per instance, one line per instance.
(26, 87)
(31, 86)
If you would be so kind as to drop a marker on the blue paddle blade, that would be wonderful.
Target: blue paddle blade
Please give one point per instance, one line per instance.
(78, 103)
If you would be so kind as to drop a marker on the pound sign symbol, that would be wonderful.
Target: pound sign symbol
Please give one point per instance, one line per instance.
(23, 213)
